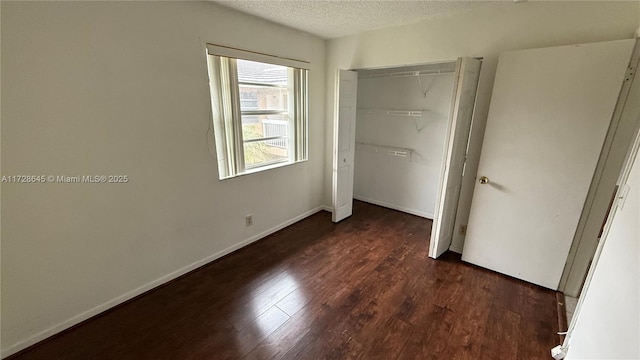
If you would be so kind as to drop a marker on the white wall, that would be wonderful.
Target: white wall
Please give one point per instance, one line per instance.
(404, 183)
(92, 88)
(483, 32)
(608, 322)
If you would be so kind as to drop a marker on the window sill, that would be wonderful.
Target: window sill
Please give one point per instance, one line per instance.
(264, 168)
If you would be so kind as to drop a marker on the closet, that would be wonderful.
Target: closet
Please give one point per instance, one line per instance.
(400, 138)
(401, 125)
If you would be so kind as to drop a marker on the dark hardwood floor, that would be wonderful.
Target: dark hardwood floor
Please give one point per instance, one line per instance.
(361, 289)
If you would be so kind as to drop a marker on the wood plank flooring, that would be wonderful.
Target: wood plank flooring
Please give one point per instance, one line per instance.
(360, 289)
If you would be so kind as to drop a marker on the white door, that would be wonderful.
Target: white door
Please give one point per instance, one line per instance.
(344, 139)
(549, 114)
(467, 73)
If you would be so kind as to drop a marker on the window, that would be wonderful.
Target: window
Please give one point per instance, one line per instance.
(259, 105)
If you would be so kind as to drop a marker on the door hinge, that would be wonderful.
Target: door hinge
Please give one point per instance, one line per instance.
(622, 195)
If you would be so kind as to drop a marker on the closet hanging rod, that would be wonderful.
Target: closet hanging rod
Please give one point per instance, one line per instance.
(413, 113)
(407, 74)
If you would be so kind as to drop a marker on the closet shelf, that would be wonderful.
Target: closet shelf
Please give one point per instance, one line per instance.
(389, 150)
(407, 74)
(411, 113)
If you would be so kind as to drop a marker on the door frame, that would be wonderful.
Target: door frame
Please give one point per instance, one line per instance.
(620, 136)
(632, 109)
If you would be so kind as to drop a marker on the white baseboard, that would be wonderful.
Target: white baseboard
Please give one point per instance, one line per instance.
(455, 248)
(394, 207)
(146, 287)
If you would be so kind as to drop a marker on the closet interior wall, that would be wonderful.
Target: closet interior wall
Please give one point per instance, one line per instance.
(401, 124)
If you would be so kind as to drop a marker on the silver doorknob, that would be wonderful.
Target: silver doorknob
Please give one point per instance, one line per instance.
(483, 180)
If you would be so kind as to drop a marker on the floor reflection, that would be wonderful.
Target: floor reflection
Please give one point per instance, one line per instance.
(280, 297)
(275, 305)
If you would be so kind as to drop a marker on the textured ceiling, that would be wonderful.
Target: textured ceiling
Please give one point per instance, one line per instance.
(331, 19)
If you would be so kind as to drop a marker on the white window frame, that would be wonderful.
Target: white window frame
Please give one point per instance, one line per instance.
(227, 114)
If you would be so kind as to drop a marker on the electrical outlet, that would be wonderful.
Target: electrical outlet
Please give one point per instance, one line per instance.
(463, 230)
(248, 220)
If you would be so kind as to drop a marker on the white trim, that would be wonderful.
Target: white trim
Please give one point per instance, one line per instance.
(624, 176)
(148, 286)
(394, 207)
(257, 169)
(455, 248)
(230, 52)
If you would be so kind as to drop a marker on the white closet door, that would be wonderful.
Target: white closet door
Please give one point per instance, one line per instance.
(344, 140)
(467, 73)
(548, 118)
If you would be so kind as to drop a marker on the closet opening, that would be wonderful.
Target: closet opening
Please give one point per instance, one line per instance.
(400, 140)
(401, 124)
